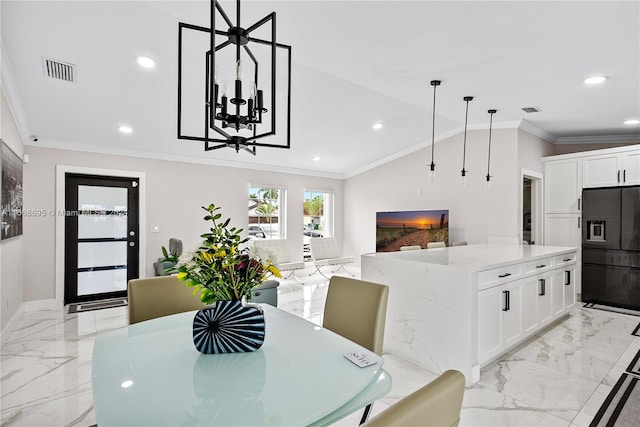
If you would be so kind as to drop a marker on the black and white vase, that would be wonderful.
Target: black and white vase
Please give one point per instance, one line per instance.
(228, 327)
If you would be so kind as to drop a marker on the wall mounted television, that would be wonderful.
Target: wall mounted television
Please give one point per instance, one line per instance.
(410, 228)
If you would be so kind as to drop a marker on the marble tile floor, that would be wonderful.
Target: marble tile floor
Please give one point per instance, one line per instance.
(558, 378)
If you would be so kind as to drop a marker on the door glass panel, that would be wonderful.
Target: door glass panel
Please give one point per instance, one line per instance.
(102, 198)
(95, 282)
(102, 217)
(102, 254)
(100, 226)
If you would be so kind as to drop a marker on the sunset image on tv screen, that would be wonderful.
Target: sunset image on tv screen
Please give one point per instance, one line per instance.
(411, 228)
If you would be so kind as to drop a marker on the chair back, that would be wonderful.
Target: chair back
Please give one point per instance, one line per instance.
(432, 245)
(461, 243)
(357, 310)
(437, 404)
(410, 248)
(159, 296)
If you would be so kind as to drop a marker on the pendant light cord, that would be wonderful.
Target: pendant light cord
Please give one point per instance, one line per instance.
(464, 145)
(433, 124)
(434, 83)
(491, 112)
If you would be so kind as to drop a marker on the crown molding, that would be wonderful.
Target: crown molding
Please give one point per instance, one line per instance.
(10, 91)
(601, 139)
(537, 131)
(74, 146)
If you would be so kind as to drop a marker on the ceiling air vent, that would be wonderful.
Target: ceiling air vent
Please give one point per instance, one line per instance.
(531, 109)
(59, 70)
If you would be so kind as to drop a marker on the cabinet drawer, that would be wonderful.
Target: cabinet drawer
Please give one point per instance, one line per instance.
(565, 259)
(496, 276)
(538, 266)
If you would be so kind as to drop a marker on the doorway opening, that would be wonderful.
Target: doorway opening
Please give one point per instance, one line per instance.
(531, 207)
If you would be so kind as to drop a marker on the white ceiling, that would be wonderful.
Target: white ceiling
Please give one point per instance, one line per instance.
(354, 63)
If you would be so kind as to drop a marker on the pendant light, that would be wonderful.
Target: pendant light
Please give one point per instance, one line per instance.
(432, 171)
(491, 112)
(463, 176)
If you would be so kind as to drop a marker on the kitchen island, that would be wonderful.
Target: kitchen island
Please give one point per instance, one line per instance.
(461, 307)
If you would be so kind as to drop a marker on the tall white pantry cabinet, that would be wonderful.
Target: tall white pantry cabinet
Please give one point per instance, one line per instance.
(564, 178)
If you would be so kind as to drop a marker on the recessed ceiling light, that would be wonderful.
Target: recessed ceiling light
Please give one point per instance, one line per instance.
(125, 129)
(377, 126)
(316, 158)
(126, 384)
(595, 80)
(631, 122)
(145, 61)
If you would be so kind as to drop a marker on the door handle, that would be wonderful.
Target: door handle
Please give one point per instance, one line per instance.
(579, 203)
(618, 176)
(506, 300)
(504, 275)
(624, 175)
(567, 275)
(541, 266)
(578, 222)
(542, 288)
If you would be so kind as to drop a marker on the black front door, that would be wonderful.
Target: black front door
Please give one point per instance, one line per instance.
(101, 236)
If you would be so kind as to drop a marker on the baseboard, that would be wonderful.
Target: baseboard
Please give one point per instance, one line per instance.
(4, 335)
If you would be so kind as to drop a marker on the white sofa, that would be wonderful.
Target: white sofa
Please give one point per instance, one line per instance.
(280, 247)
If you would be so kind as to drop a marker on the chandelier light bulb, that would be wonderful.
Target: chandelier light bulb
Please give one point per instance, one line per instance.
(239, 70)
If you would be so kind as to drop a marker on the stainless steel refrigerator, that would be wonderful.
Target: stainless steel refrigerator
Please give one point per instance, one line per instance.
(611, 246)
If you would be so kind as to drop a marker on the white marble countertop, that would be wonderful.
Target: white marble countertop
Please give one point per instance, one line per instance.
(477, 257)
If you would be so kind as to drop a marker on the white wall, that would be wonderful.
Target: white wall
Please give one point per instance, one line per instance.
(11, 250)
(175, 193)
(531, 150)
(475, 212)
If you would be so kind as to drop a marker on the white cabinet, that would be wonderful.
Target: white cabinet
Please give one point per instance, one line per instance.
(545, 300)
(499, 318)
(510, 312)
(562, 185)
(611, 169)
(530, 306)
(631, 167)
(569, 286)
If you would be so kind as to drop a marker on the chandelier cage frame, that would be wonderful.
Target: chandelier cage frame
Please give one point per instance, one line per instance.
(241, 39)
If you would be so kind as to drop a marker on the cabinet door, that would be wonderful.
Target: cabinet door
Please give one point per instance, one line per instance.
(511, 312)
(631, 168)
(557, 292)
(529, 304)
(563, 230)
(545, 307)
(603, 170)
(489, 322)
(562, 186)
(569, 286)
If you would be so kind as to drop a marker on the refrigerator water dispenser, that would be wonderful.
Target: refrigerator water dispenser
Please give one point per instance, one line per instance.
(596, 231)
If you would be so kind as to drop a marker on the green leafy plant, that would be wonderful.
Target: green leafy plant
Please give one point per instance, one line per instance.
(220, 268)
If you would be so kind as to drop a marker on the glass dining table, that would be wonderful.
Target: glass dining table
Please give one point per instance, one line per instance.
(150, 374)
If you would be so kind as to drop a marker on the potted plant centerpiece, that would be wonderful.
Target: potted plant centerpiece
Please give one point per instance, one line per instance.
(225, 272)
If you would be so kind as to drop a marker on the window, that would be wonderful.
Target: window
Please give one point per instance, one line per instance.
(266, 212)
(318, 214)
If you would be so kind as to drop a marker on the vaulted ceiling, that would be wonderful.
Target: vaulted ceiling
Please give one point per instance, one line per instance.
(355, 63)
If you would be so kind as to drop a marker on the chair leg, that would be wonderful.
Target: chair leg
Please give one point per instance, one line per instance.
(367, 411)
(319, 271)
(341, 267)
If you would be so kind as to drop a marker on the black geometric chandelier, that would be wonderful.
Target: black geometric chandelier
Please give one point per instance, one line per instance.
(239, 115)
